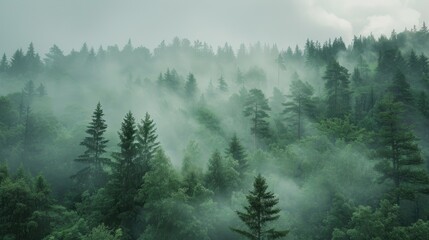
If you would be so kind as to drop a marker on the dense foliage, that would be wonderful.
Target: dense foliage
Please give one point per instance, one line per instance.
(335, 134)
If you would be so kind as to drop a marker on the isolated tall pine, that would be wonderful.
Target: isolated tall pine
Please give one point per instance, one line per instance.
(401, 162)
(147, 142)
(95, 144)
(260, 211)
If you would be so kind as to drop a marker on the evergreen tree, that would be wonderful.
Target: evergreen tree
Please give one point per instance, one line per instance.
(215, 177)
(401, 162)
(400, 89)
(147, 142)
(123, 186)
(260, 211)
(4, 65)
(236, 150)
(300, 104)
(423, 104)
(33, 64)
(17, 62)
(191, 87)
(356, 77)
(337, 87)
(221, 176)
(223, 86)
(41, 90)
(95, 147)
(256, 108)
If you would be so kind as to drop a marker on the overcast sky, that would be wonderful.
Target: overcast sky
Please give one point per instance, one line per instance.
(70, 23)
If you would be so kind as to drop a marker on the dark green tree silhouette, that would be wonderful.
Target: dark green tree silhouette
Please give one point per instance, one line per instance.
(147, 142)
(337, 88)
(236, 150)
(256, 108)
(124, 183)
(400, 89)
(300, 104)
(191, 87)
(4, 65)
(259, 212)
(222, 85)
(401, 161)
(95, 146)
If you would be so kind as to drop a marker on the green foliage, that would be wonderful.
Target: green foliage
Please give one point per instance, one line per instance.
(342, 128)
(337, 88)
(222, 85)
(236, 151)
(191, 87)
(126, 177)
(256, 107)
(93, 176)
(400, 89)
(102, 232)
(300, 105)
(401, 162)
(221, 176)
(260, 211)
(147, 142)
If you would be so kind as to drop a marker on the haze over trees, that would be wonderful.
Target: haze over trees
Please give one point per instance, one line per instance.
(188, 141)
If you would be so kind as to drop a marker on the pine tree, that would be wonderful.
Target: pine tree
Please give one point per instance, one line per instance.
(215, 177)
(300, 104)
(400, 89)
(423, 104)
(356, 77)
(4, 65)
(256, 108)
(33, 64)
(259, 212)
(236, 150)
(124, 183)
(95, 144)
(17, 62)
(223, 86)
(337, 87)
(401, 160)
(191, 87)
(147, 142)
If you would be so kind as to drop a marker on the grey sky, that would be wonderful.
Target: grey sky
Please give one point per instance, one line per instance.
(286, 22)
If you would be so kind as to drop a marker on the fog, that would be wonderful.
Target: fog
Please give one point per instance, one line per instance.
(305, 88)
(287, 23)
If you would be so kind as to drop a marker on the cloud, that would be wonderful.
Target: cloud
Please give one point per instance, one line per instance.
(71, 23)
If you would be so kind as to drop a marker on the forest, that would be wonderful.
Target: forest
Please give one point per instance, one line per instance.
(185, 141)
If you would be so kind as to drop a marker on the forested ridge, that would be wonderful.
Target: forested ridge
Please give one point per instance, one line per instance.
(326, 141)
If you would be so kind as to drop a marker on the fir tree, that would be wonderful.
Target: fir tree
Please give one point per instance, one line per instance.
(400, 89)
(124, 183)
(223, 86)
(191, 87)
(215, 177)
(260, 211)
(256, 108)
(300, 104)
(337, 87)
(4, 65)
(95, 147)
(401, 162)
(147, 142)
(236, 150)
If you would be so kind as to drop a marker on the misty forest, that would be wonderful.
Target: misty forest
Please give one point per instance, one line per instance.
(329, 140)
